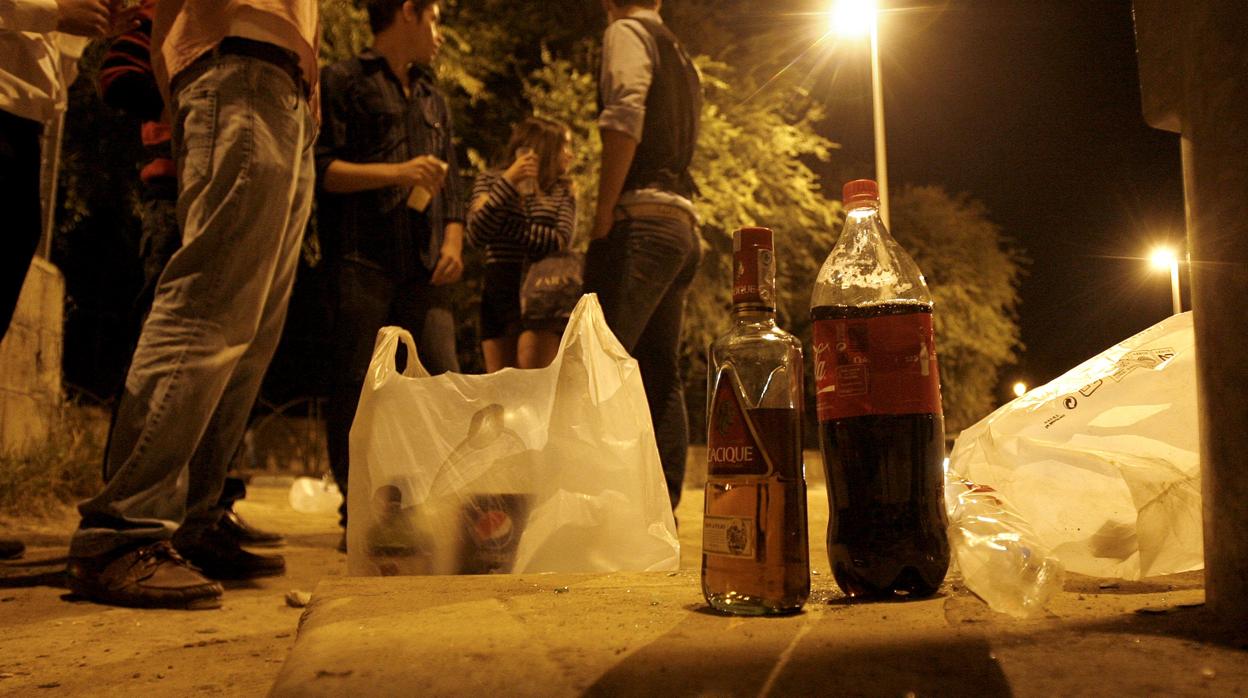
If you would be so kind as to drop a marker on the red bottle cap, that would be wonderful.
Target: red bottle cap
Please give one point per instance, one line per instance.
(860, 191)
(752, 238)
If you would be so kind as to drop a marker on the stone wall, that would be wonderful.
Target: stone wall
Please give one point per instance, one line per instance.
(30, 361)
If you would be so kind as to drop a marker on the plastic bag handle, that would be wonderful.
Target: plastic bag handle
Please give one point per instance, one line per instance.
(386, 351)
(587, 320)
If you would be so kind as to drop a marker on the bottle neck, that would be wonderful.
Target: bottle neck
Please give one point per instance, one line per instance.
(749, 313)
(754, 280)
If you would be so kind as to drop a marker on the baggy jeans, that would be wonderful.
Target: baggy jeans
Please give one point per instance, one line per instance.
(641, 272)
(242, 138)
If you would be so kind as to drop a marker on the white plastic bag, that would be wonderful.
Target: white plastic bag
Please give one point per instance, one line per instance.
(542, 470)
(313, 495)
(1103, 462)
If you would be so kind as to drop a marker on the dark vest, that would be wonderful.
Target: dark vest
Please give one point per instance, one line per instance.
(673, 108)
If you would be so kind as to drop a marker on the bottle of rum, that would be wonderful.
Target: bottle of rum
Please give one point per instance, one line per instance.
(755, 555)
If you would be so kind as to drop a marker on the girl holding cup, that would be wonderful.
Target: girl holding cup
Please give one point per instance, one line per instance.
(521, 211)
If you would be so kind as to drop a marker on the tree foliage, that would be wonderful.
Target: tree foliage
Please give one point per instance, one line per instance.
(973, 272)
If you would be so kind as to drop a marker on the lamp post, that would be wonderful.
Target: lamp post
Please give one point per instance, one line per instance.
(855, 18)
(1163, 258)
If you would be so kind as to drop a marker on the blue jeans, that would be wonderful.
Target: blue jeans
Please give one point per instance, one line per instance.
(367, 299)
(641, 272)
(243, 136)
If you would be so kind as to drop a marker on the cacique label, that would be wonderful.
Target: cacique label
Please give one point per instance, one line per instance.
(875, 365)
(733, 446)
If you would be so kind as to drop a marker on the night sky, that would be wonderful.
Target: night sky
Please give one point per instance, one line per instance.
(1033, 107)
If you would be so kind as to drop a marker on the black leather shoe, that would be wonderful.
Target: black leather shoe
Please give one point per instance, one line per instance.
(10, 548)
(234, 526)
(146, 576)
(219, 556)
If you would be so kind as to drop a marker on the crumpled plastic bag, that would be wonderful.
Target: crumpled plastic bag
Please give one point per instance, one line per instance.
(542, 470)
(1103, 462)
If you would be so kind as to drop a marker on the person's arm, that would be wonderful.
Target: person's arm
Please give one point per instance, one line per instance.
(618, 149)
(39, 16)
(628, 53)
(78, 17)
(549, 225)
(450, 265)
(494, 201)
(337, 174)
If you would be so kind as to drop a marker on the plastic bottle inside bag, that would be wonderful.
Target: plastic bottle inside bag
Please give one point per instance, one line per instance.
(1001, 560)
(491, 480)
(394, 543)
(313, 495)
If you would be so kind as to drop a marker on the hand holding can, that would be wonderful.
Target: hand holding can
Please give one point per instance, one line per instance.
(428, 173)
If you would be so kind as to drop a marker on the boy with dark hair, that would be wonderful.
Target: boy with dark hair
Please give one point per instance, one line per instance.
(386, 131)
(645, 247)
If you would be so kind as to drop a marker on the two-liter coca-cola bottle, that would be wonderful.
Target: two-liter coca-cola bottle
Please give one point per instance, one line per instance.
(755, 551)
(878, 401)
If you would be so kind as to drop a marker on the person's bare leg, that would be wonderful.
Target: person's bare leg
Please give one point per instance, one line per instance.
(500, 352)
(536, 348)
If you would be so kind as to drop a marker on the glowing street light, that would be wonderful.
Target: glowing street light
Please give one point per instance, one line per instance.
(855, 18)
(1165, 258)
(1020, 389)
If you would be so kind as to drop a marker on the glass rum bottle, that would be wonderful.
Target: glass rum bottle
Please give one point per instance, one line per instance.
(755, 555)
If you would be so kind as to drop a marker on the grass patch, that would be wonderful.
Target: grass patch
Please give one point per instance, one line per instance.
(64, 469)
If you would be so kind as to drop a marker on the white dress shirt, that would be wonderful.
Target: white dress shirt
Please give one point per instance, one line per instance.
(37, 63)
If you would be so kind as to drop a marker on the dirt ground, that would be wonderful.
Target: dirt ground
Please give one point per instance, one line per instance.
(52, 643)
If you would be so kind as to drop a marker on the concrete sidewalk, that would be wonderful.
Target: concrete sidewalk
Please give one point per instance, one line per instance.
(651, 634)
(616, 634)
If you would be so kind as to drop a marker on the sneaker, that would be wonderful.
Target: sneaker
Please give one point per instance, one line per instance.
(233, 525)
(10, 548)
(220, 556)
(147, 576)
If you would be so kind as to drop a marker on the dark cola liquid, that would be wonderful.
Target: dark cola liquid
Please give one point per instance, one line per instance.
(887, 524)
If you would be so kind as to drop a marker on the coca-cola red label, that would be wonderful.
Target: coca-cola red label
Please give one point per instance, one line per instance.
(875, 365)
(733, 446)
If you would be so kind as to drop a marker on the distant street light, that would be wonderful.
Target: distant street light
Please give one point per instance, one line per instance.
(1020, 389)
(854, 18)
(1163, 258)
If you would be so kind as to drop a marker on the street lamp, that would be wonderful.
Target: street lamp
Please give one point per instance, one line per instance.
(1163, 258)
(1020, 389)
(856, 18)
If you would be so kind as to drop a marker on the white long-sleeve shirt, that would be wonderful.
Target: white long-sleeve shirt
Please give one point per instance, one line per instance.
(37, 63)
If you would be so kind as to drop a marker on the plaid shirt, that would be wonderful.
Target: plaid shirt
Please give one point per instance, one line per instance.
(366, 117)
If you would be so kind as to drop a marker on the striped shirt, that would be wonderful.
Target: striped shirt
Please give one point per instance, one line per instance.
(512, 228)
(127, 83)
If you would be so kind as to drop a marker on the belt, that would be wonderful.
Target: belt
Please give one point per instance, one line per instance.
(283, 59)
(654, 210)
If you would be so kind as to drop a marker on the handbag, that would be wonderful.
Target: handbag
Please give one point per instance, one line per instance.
(552, 286)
